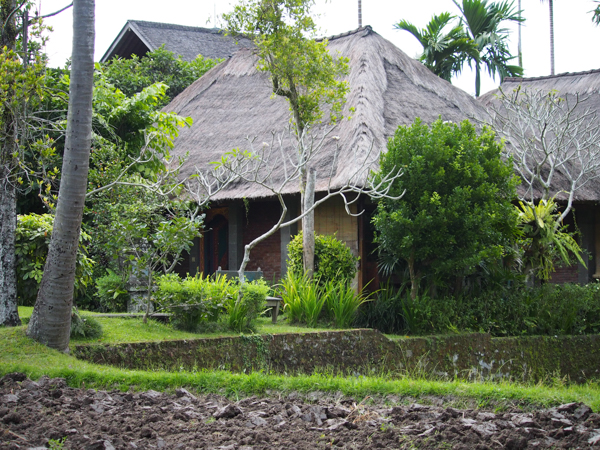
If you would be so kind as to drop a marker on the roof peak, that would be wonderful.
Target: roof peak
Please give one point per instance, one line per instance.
(367, 29)
(173, 26)
(546, 77)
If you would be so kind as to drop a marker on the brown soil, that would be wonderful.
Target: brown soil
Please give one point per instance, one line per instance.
(33, 413)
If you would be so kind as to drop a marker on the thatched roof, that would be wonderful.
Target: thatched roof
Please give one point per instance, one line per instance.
(139, 37)
(567, 85)
(233, 102)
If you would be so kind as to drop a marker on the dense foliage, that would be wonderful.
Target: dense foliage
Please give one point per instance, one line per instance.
(33, 237)
(334, 260)
(132, 75)
(196, 301)
(548, 309)
(455, 213)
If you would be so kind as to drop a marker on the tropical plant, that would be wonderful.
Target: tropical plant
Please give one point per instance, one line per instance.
(482, 22)
(303, 298)
(456, 210)
(342, 302)
(542, 241)
(443, 53)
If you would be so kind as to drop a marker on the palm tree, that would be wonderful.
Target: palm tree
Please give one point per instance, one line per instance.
(50, 322)
(9, 314)
(551, 8)
(443, 53)
(482, 21)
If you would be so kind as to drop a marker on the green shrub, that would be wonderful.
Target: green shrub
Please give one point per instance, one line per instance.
(32, 240)
(84, 327)
(519, 310)
(333, 259)
(112, 293)
(194, 299)
(241, 313)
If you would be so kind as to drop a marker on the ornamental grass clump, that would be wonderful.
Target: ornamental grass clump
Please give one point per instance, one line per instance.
(342, 303)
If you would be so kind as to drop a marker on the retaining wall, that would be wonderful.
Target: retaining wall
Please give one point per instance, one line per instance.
(365, 352)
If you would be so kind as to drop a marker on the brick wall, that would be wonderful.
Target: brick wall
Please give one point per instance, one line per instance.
(565, 275)
(262, 215)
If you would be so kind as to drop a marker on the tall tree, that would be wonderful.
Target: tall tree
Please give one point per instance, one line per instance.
(51, 319)
(301, 70)
(483, 22)
(551, 18)
(9, 315)
(443, 53)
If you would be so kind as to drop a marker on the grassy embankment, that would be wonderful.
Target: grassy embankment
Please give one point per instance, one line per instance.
(19, 353)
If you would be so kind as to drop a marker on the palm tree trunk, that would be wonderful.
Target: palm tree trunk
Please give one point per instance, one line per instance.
(520, 52)
(477, 80)
(51, 319)
(551, 6)
(9, 313)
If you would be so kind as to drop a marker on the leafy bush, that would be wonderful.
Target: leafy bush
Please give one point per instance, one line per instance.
(193, 300)
(241, 313)
(333, 259)
(455, 211)
(84, 327)
(32, 241)
(112, 292)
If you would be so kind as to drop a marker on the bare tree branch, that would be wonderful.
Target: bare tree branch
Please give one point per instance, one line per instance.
(554, 142)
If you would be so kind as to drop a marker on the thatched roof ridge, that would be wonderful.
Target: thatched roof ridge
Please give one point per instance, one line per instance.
(233, 102)
(585, 84)
(139, 36)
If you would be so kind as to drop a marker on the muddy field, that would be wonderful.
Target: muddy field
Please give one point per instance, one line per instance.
(48, 414)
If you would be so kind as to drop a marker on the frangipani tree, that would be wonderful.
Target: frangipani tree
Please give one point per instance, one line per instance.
(554, 142)
(302, 71)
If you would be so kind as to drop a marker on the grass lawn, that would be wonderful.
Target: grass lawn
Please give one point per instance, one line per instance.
(19, 353)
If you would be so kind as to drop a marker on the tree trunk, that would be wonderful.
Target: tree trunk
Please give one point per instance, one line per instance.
(308, 224)
(551, 6)
(51, 319)
(9, 313)
(414, 282)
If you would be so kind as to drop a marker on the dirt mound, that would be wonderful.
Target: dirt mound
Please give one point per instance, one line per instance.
(33, 413)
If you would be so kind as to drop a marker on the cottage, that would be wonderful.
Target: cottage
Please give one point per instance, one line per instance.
(232, 105)
(139, 37)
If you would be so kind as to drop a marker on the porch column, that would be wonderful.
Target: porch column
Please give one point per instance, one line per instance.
(287, 233)
(585, 222)
(236, 235)
(597, 243)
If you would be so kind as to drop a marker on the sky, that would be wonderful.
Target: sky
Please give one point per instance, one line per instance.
(576, 37)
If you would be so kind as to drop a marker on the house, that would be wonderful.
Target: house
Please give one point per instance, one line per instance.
(139, 37)
(232, 105)
(586, 214)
